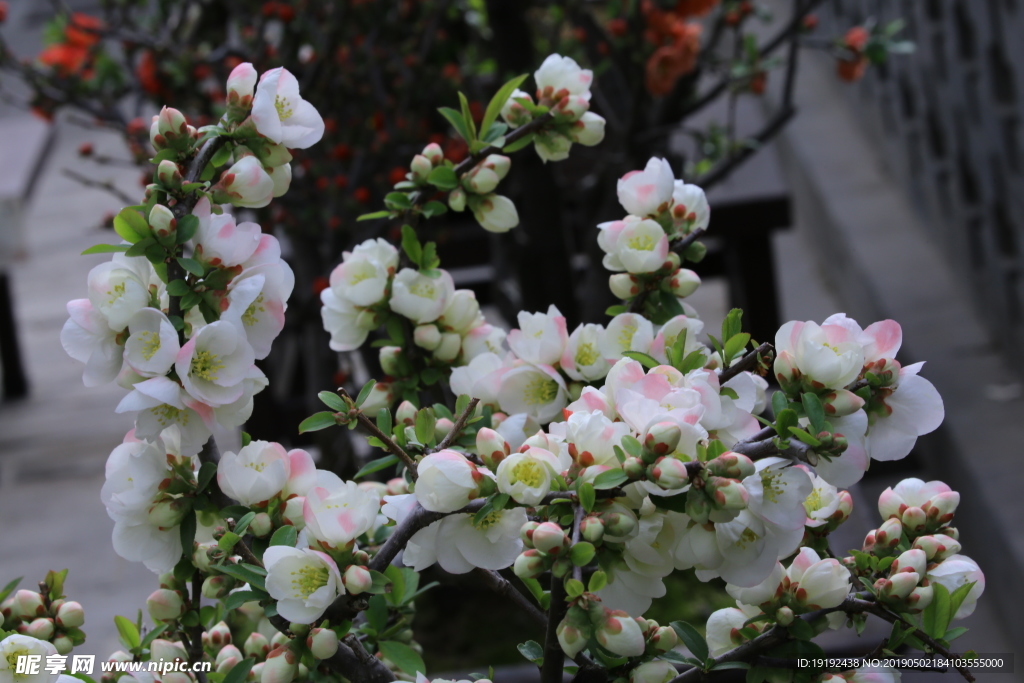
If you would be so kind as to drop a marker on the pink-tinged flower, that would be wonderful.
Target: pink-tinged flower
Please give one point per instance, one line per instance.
(254, 307)
(160, 403)
(591, 437)
(152, 344)
(582, 359)
(816, 583)
(245, 184)
(363, 273)
(626, 332)
(830, 355)
(419, 297)
(478, 379)
(913, 409)
(956, 571)
(241, 85)
(690, 209)
(669, 333)
(254, 475)
(527, 476)
(723, 628)
(483, 339)
(219, 241)
(619, 633)
(777, 493)
(635, 245)
(645, 193)
(588, 130)
(447, 481)
(88, 338)
(558, 73)
(338, 512)
(304, 582)
(537, 390)
(541, 337)
(281, 114)
(495, 213)
(935, 499)
(119, 288)
(213, 364)
(460, 544)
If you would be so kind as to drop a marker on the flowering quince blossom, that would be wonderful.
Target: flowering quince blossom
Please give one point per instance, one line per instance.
(119, 289)
(496, 213)
(563, 73)
(337, 512)
(537, 390)
(447, 481)
(813, 583)
(526, 476)
(724, 625)
(213, 364)
(459, 544)
(219, 241)
(16, 646)
(281, 114)
(419, 297)
(304, 582)
(541, 337)
(690, 208)
(262, 470)
(634, 245)
(362, 277)
(645, 193)
(582, 360)
(152, 344)
(161, 402)
(245, 184)
(88, 338)
(956, 571)
(626, 332)
(256, 309)
(829, 355)
(591, 437)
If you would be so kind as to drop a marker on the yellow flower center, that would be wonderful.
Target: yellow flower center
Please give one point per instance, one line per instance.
(150, 343)
(167, 415)
(423, 289)
(641, 243)
(258, 466)
(308, 580)
(586, 355)
(249, 317)
(771, 481)
(541, 390)
(530, 472)
(115, 293)
(626, 335)
(813, 502)
(746, 538)
(489, 520)
(284, 110)
(205, 365)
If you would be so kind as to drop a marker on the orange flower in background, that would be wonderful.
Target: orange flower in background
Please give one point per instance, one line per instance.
(670, 62)
(65, 59)
(852, 67)
(72, 57)
(83, 30)
(856, 38)
(695, 8)
(146, 72)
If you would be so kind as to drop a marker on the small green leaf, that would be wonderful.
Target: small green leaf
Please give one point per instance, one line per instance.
(207, 471)
(153, 634)
(582, 553)
(532, 650)
(733, 323)
(644, 359)
(333, 401)
(239, 672)
(610, 479)
(779, 402)
(805, 437)
(130, 225)
(247, 573)
(692, 638)
(286, 536)
(402, 656)
(239, 598)
(587, 496)
(187, 227)
(411, 245)
(631, 445)
(191, 265)
(178, 288)
(801, 630)
(598, 580)
(424, 426)
(397, 201)
(316, 422)
(377, 613)
(434, 208)
(517, 145)
(735, 345)
(815, 411)
(458, 123)
(785, 421)
(128, 632)
(494, 107)
(105, 249)
(9, 588)
(574, 588)
(730, 392)
(187, 531)
(467, 116)
(936, 617)
(693, 361)
(443, 178)
(373, 216)
(376, 465)
(384, 420)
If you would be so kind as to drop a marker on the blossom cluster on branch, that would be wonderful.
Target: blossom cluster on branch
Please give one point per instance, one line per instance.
(591, 464)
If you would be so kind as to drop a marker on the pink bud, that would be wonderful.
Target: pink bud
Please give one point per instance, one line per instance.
(891, 504)
(241, 85)
(529, 564)
(913, 560)
(664, 639)
(165, 605)
(662, 438)
(942, 507)
(406, 414)
(433, 153)
(670, 473)
(549, 538)
(70, 615)
(421, 167)
(280, 667)
(491, 447)
(914, 519)
(322, 642)
(785, 369)
(228, 656)
(621, 634)
(427, 337)
(27, 605)
(40, 629)
(683, 283)
(841, 402)
(592, 529)
(727, 494)
(256, 645)
(624, 285)
(357, 579)
(731, 465)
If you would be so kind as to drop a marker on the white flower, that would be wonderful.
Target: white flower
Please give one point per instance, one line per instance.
(420, 298)
(254, 475)
(563, 73)
(478, 379)
(767, 590)
(118, 290)
(161, 403)
(516, 429)
(152, 344)
(721, 626)
(213, 364)
(363, 275)
(822, 502)
(742, 551)
(304, 582)
(956, 571)
(281, 114)
(847, 469)
(495, 213)
(537, 390)
(541, 337)
(777, 493)
(347, 324)
(818, 583)
(582, 359)
(484, 338)
(89, 339)
(829, 354)
(916, 493)
(255, 309)
(447, 481)
(630, 591)
(690, 206)
(643, 193)
(15, 646)
(219, 241)
(634, 245)
(626, 332)
(338, 512)
(592, 437)
(914, 408)
(245, 184)
(526, 476)
(588, 130)
(459, 544)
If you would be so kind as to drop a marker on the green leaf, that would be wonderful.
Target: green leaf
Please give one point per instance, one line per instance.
(532, 650)
(147, 245)
(801, 630)
(954, 633)
(730, 392)
(498, 101)
(286, 536)
(130, 225)
(785, 420)
(587, 496)
(574, 588)
(376, 465)
(443, 178)
(957, 598)
(815, 411)
(373, 216)
(779, 402)
(467, 116)
(610, 479)
(207, 471)
(804, 436)
(397, 575)
(384, 420)
(517, 145)
(733, 323)
(582, 553)
(730, 665)
(128, 632)
(105, 249)
(9, 588)
(936, 617)
(692, 638)
(693, 361)
(631, 445)
(187, 530)
(221, 156)
(397, 201)
(424, 426)
(191, 265)
(239, 598)
(178, 288)
(642, 358)
(377, 613)
(153, 634)
(402, 656)
(248, 573)
(434, 208)
(380, 582)
(239, 672)
(333, 401)
(316, 422)
(598, 580)
(458, 123)
(735, 345)
(186, 230)
(411, 244)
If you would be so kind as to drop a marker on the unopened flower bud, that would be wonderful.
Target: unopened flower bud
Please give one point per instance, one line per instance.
(448, 349)
(785, 370)
(292, 512)
(491, 447)
(261, 526)
(389, 357)
(396, 487)
(526, 533)
(889, 534)
(913, 560)
(592, 529)
(434, 153)
(256, 645)
(664, 639)
(228, 653)
(898, 586)
(280, 667)
(784, 615)
(427, 337)
(662, 438)
(619, 633)
(367, 319)
(529, 564)
(27, 605)
(165, 605)
(843, 510)
(406, 414)
(624, 285)
(914, 520)
(495, 213)
(670, 473)
(421, 168)
(167, 651)
(633, 467)
(169, 129)
(63, 644)
(937, 547)
(698, 507)
(219, 635)
(683, 283)
(457, 199)
(442, 427)
(169, 175)
(168, 513)
(357, 579)
(727, 494)
(619, 524)
(217, 586)
(255, 673)
(40, 629)
(920, 598)
(588, 130)
(322, 642)
(279, 640)
(70, 615)
(731, 465)
(942, 506)
(241, 86)
(549, 538)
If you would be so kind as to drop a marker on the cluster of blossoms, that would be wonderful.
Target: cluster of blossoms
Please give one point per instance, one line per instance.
(628, 451)
(42, 620)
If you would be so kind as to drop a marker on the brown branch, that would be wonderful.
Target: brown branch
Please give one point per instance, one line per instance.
(354, 663)
(460, 424)
(105, 185)
(748, 362)
(195, 650)
(554, 658)
(727, 165)
(389, 444)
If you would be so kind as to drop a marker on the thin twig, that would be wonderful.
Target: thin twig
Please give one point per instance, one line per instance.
(460, 424)
(554, 658)
(727, 165)
(104, 185)
(389, 444)
(195, 652)
(749, 361)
